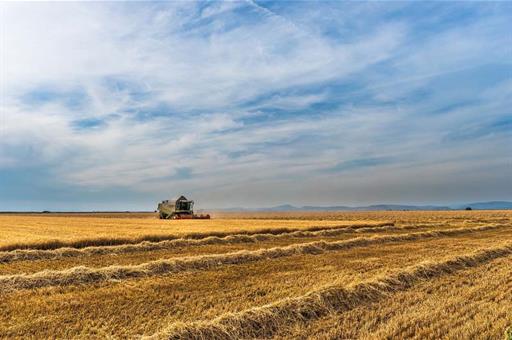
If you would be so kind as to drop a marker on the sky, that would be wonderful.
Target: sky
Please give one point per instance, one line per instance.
(119, 105)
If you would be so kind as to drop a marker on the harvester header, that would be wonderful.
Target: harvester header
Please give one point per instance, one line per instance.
(177, 209)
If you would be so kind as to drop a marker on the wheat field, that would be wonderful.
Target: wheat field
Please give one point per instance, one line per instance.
(332, 275)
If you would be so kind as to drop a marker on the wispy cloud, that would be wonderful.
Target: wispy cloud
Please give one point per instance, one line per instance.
(249, 103)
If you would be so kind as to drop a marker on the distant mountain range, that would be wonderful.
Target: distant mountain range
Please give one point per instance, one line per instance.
(492, 205)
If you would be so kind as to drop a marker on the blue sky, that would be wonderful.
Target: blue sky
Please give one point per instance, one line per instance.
(119, 105)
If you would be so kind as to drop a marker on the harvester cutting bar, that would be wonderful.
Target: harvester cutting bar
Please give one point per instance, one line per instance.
(190, 217)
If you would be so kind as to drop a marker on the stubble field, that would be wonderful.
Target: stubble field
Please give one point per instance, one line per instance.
(368, 275)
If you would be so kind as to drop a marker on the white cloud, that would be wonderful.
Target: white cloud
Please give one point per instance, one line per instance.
(210, 72)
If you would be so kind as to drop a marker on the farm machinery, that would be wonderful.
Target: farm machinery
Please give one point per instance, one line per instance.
(178, 209)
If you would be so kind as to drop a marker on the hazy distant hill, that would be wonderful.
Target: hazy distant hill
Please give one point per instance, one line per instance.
(288, 207)
(493, 205)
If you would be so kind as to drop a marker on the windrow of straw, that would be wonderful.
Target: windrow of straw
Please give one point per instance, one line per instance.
(36, 254)
(85, 275)
(113, 241)
(264, 321)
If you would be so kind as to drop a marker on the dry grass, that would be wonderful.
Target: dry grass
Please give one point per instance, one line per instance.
(508, 333)
(197, 240)
(471, 304)
(29, 261)
(306, 276)
(81, 275)
(266, 320)
(48, 231)
(400, 216)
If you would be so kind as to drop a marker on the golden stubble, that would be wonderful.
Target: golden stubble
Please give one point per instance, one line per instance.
(284, 275)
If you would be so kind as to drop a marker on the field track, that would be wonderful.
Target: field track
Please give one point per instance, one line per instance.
(287, 281)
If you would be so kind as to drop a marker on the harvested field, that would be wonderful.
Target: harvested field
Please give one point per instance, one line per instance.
(46, 231)
(290, 275)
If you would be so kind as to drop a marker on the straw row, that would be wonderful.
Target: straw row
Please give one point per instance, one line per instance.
(263, 322)
(86, 275)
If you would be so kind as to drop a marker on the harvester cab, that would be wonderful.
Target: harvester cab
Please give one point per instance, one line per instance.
(180, 208)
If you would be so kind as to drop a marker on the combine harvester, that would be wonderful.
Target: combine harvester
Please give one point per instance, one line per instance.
(178, 209)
